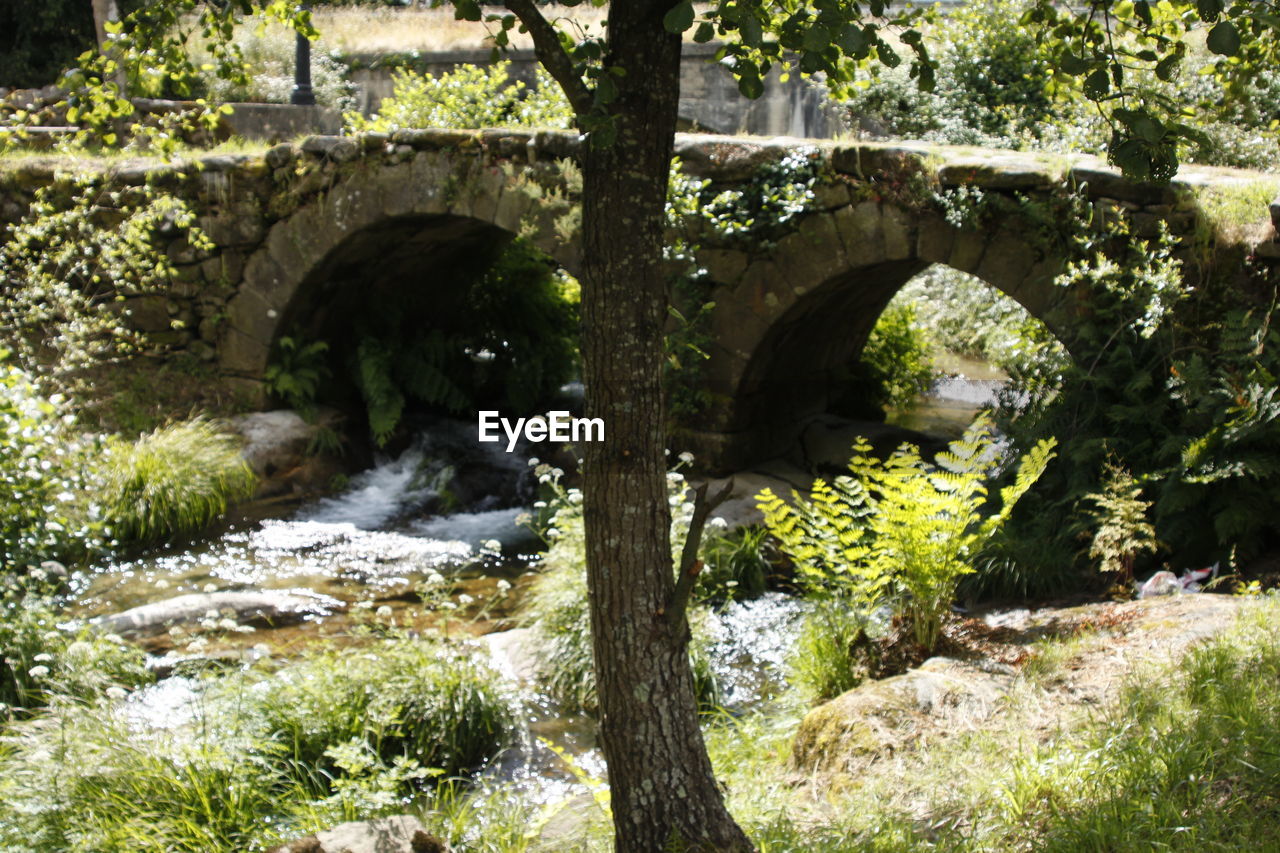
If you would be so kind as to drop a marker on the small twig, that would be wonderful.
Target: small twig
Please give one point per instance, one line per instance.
(689, 567)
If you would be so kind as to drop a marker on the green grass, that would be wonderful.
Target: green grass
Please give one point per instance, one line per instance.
(1185, 758)
(173, 481)
(266, 757)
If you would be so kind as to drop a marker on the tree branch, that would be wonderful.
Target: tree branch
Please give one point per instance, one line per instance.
(551, 53)
(689, 567)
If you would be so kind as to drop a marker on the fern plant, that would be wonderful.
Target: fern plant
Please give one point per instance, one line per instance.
(902, 530)
(1122, 530)
(296, 371)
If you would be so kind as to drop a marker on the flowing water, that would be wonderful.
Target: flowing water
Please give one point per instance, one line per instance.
(441, 515)
(446, 509)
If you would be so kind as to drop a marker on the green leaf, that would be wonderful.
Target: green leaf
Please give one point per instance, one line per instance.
(1224, 39)
(1097, 84)
(751, 86)
(1209, 9)
(751, 31)
(854, 42)
(1166, 67)
(467, 10)
(679, 18)
(704, 33)
(1072, 64)
(817, 38)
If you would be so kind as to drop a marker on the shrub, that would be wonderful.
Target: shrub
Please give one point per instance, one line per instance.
(473, 96)
(40, 660)
(402, 699)
(997, 87)
(830, 654)
(895, 367)
(176, 480)
(45, 479)
(734, 563)
(67, 267)
(253, 758)
(901, 531)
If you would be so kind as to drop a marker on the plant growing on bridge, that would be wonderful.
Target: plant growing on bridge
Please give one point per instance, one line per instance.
(902, 530)
(73, 267)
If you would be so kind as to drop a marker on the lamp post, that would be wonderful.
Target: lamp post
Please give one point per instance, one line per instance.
(302, 92)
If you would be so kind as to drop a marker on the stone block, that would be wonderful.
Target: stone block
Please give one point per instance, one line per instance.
(967, 250)
(899, 232)
(250, 314)
(862, 232)
(281, 155)
(934, 240)
(1007, 260)
(242, 354)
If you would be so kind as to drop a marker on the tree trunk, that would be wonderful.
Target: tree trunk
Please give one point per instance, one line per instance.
(663, 789)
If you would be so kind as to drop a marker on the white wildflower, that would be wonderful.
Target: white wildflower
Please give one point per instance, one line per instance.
(38, 671)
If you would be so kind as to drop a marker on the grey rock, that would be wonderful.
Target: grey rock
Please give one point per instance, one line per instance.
(398, 834)
(877, 717)
(513, 652)
(250, 608)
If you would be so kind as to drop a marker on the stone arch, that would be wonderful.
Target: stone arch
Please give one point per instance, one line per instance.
(787, 325)
(418, 211)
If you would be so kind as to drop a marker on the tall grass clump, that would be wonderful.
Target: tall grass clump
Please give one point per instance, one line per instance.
(250, 758)
(173, 481)
(424, 702)
(41, 659)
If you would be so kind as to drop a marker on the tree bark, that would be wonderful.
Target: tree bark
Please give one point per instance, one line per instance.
(664, 792)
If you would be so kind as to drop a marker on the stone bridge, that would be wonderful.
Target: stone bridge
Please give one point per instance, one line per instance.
(297, 223)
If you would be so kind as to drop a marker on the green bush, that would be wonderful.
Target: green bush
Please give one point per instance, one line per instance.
(40, 660)
(997, 87)
(830, 654)
(734, 563)
(421, 701)
(900, 531)
(1188, 407)
(174, 481)
(255, 758)
(473, 96)
(46, 478)
(894, 369)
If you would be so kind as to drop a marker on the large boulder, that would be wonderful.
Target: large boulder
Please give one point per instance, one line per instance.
(878, 717)
(279, 446)
(259, 609)
(398, 834)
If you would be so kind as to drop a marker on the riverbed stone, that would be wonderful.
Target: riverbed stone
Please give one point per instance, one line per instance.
(278, 447)
(397, 834)
(879, 717)
(268, 608)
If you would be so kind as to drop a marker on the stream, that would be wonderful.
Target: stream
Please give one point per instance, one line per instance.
(441, 516)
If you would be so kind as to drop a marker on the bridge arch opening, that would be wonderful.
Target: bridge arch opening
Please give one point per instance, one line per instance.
(808, 363)
(429, 314)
